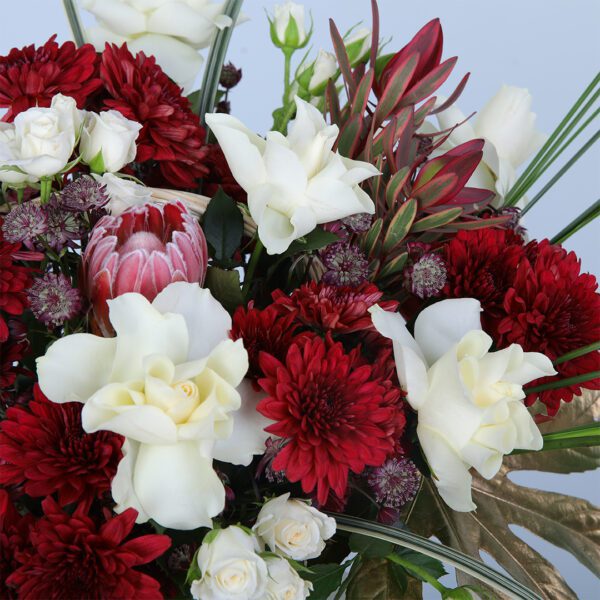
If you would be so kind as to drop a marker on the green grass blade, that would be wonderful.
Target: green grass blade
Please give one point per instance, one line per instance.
(555, 385)
(584, 349)
(74, 21)
(581, 221)
(407, 539)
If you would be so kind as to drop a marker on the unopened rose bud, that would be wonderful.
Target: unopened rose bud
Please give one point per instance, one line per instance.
(358, 45)
(287, 26)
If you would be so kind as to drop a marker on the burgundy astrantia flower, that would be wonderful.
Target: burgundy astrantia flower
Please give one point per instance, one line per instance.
(14, 530)
(171, 138)
(142, 250)
(395, 482)
(335, 309)
(553, 308)
(427, 276)
(72, 556)
(336, 418)
(346, 265)
(270, 330)
(33, 76)
(44, 449)
(53, 299)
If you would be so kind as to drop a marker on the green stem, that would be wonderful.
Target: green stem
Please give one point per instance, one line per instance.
(584, 436)
(563, 170)
(580, 351)
(581, 221)
(45, 189)
(420, 572)
(249, 276)
(74, 22)
(555, 385)
(287, 58)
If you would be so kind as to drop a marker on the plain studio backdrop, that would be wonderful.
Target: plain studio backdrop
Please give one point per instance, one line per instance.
(550, 47)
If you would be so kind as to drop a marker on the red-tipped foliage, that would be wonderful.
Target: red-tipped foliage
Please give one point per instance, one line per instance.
(171, 138)
(72, 556)
(336, 416)
(31, 76)
(44, 449)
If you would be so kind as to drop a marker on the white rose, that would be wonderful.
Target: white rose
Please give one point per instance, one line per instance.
(284, 583)
(40, 142)
(469, 400)
(108, 141)
(296, 182)
(230, 567)
(123, 193)
(324, 68)
(293, 528)
(171, 30)
(166, 382)
(287, 25)
(358, 45)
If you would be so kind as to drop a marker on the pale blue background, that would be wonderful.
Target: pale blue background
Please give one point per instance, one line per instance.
(551, 47)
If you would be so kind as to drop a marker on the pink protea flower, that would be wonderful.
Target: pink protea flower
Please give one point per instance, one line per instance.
(142, 250)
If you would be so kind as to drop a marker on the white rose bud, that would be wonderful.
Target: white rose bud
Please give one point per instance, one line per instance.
(108, 141)
(469, 401)
(315, 77)
(123, 193)
(40, 142)
(230, 567)
(358, 45)
(284, 583)
(293, 528)
(287, 26)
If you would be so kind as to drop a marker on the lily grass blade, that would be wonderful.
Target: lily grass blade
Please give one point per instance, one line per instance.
(552, 148)
(584, 349)
(581, 221)
(72, 11)
(214, 63)
(407, 539)
(554, 385)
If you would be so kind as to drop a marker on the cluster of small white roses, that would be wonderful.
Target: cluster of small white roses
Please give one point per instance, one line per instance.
(232, 561)
(42, 142)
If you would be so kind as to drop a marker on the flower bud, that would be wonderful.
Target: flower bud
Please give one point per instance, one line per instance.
(108, 141)
(358, 45)
(314, 78)
(230, 76)
(287, 26)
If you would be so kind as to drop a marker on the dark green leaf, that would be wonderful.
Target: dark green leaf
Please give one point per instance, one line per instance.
(393, 266)
(223, 226)
(325, 578)
(315, 240)
(396, 86)
(394, 187)
(431, 565)
(372, 236)
(400, 224)
(350, 135)
(437, 220)
(225, 287)
(369, 547)
(361, 97)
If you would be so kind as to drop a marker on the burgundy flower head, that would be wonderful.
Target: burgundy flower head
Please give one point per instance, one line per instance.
(335, 417)
(71, 556)
(336, 309)
(171, 141)
(44, 449)
(32, 76)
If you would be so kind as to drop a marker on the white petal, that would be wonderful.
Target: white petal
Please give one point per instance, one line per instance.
(230, 361)
(177, 486)
(443, 324)
(452, 476)
(331, 199)
(242, 148)
(533, 366)
(122, 489)
(117, 16)
(249, 435)
(283, 166)
(451, 117)
(142, 330)
(528, 434)
(207, 322)
(75, 367)
(100, 36)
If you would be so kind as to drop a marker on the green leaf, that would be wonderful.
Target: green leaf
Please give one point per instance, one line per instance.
(225, 287)
(394, 187)
(315, 240)
(326, 578)
(369, 547)
(376, 580)
(459, 593)
(359, 103)
(400, 224)
(395, 87)
(369, 241)
(223, 226)
(431, 565)
(350, 135)
(393, 266)
(437, 220)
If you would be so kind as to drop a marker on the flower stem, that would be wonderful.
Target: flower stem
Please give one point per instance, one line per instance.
(579, 352)
(287, 57)
(554, 385)
(249, 276)
(420, 572)
(45, 189)
(582, 220)
(74, 21)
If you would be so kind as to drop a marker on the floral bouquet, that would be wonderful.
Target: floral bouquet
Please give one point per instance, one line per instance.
(274, 366)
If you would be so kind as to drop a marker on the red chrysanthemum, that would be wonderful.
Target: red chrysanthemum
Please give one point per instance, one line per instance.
(267, 330)
(13, 539)
(171, 138)
(14, 281)
(219, 176)
(32, 76)
(335, 309)
(553, 308)
(73, 557)
(44, 449)
(335, 416)
(482, 264)
(12, 350)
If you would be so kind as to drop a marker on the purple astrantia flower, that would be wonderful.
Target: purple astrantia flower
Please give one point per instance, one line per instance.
(272, 448)
(64, 227)
(395, 483)
(25, 223)
(53, 300)
(358, 223)
(83, 194)
(427, 276)
(345, 264)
